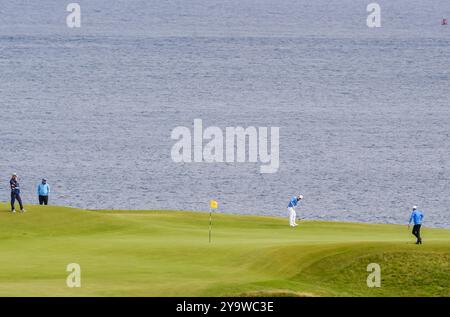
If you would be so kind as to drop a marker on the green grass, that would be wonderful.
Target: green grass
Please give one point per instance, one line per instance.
(166, 253)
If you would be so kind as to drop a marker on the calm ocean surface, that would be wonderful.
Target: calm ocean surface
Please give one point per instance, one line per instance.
(364, 114)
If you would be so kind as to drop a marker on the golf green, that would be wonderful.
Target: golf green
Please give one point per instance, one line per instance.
(166, 253)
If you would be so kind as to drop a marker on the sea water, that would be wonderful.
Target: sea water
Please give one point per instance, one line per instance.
(363, 112)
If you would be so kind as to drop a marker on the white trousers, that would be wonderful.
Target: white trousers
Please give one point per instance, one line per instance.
(292, 216)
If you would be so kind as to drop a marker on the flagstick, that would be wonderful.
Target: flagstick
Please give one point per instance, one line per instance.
(210, 222)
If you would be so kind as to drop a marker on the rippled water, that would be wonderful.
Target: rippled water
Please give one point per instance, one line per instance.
(363, 113)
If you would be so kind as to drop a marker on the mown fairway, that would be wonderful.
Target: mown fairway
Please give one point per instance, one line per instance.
(166, 253)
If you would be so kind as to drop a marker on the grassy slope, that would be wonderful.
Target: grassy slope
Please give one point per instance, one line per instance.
(158, 253)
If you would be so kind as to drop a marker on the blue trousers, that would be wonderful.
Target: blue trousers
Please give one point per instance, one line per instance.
(14, 197)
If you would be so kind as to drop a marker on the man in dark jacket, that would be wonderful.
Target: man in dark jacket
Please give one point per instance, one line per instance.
(15, 193)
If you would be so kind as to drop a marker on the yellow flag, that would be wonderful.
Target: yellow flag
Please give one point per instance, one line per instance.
(213, 204)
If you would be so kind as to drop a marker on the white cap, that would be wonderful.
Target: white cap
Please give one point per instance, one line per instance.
(14, 174)
(414, 207)
(300, 196)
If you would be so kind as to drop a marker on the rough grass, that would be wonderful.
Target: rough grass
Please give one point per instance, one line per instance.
(166, 253)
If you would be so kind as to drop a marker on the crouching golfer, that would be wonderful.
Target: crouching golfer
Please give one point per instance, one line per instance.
(291, 209)
(43, 190)
(416, 217)
(15, 193)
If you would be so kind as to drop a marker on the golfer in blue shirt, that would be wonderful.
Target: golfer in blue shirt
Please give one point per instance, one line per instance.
(291, 209)
(416, 218)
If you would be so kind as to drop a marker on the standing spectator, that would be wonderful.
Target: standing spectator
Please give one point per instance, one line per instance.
(43, 190)
(15, 193)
